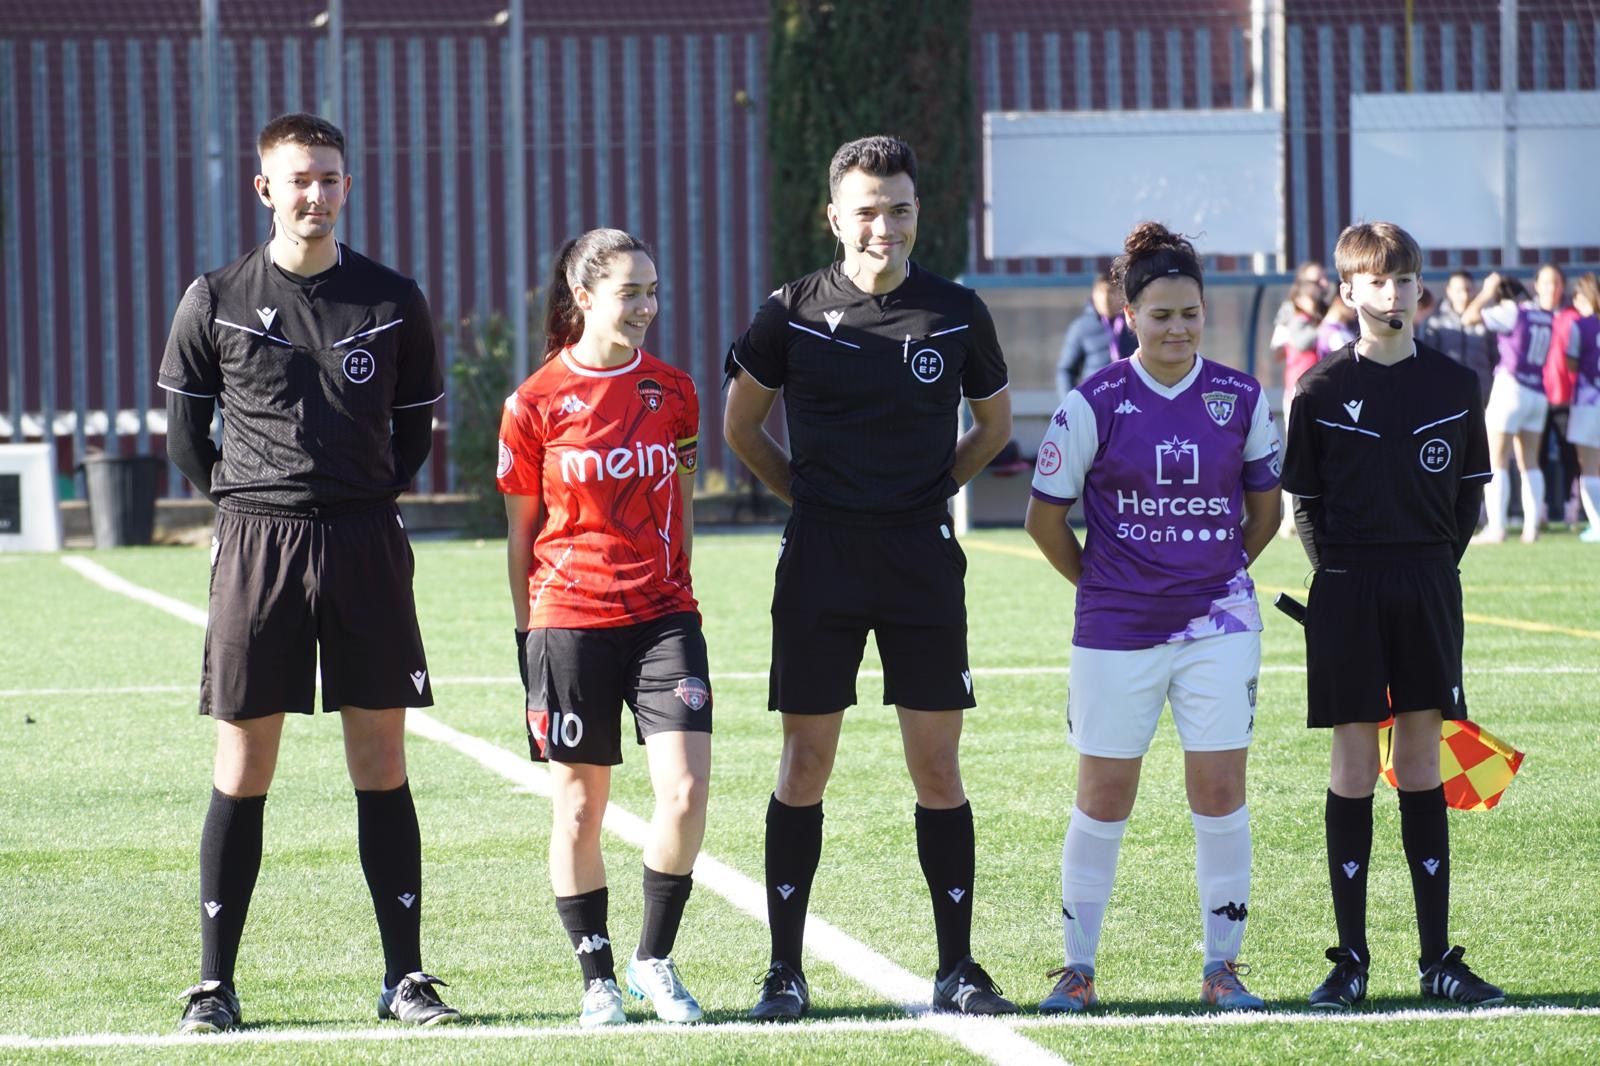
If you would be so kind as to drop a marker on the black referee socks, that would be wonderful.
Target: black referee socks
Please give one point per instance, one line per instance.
(794, 848)
(946, 849)
(391, 857)
(230, 859)
(1425, 834)
(1349, 827)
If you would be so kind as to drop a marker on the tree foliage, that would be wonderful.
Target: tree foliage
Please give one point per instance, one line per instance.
(842, 69)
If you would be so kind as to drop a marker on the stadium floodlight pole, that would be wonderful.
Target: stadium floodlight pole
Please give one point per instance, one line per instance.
(518, 214)
(210, 63)
(1509, 75)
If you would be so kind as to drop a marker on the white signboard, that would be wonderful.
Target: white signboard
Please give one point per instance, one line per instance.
(29, 520)
(1059, 183)
(1434, 162)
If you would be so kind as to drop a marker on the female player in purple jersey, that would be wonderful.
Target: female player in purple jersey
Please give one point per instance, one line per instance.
(1583, 427)
(1517, 402)
(1175, 459)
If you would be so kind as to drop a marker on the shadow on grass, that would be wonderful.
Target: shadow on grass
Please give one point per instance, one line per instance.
(1142, 1008)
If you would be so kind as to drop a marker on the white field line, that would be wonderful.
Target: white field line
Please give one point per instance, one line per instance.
(984, 1037)
(802, 1030)
(734, 675)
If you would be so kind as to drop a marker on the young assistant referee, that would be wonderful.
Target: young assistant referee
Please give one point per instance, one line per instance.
(1387, 457)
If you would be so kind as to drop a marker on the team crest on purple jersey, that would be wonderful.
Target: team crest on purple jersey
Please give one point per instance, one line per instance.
(1220, 406)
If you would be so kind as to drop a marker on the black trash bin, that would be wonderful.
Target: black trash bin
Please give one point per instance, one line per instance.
(122, 498)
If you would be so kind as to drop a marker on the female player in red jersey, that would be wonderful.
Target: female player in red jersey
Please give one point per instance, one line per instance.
(597, 462)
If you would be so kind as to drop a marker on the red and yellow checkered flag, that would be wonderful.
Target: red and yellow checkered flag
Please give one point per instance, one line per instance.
(1474, 764)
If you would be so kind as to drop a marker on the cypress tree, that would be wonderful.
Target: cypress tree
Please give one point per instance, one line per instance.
(842, 69)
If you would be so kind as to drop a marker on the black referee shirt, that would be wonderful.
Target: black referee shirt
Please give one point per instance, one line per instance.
(872, 384)
(309, 372)
(1385, 452)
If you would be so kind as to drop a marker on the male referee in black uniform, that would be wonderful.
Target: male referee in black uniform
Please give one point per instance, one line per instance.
(1387, 458)
(323, 363)
(874, 355)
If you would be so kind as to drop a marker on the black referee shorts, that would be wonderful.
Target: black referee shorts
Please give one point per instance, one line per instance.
(288, 590)
(836, 580)
(1382, 637)
(580, 678)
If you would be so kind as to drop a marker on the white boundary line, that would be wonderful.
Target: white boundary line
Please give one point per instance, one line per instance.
(988, 1038)
(803, 1030)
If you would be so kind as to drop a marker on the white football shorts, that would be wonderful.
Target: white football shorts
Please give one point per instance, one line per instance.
(1515, 408)
(1114, 698)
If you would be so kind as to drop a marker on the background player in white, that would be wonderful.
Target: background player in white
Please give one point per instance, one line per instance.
(1517, 403)
(597, 464)
(1583, 429)
(1175, 459)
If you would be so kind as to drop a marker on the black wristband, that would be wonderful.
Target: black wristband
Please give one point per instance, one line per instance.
(522, 657)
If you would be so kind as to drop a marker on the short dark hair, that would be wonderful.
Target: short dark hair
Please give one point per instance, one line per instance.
(880, 155)
(309, 131)
(1467, 274)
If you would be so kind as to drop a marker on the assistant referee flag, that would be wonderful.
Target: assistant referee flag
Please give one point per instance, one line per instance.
(1474, 764)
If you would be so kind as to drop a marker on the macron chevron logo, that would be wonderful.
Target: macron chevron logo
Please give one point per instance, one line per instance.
(966, 679)
(1353, 409)
(1431, 865)
(419, 678)
(407, 899)
(267, 315)
(1350, 869)
(213, 908)
(956, 893)
(785, 891)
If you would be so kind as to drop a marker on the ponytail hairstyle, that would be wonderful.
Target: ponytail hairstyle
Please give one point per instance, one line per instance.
(584, 261)
(1511, 289)
(1152, 251)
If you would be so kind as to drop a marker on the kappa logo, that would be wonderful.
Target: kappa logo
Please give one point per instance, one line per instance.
(785, 891)
(591, 944)
(956, 893)
(1250, 693)
(1234, 912)
(419, 678)
(1067, 914)
(213, 908)
(502, 465)
(1220, 406)
(1353, 409)
(572, 405)
(966, 679)
(832, 318)
(1126, 407)
(1060, 417)
(1431, 865)
(267, 315)
(359, 366)
(693, 692)
(1350, 869)
(407, 899)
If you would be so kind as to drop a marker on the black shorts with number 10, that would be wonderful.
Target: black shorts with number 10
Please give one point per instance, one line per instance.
(840, 575)
(578, 680)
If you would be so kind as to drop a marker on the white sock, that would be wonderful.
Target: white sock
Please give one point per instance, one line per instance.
(1222, 869)
(1088, 866)
(1496, 500)
(1589, 492)
(1532, 501)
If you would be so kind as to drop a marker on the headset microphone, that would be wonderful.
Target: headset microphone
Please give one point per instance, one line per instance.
(1394, 322)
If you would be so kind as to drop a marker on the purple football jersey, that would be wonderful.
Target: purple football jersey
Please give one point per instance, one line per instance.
(1162, 474)
(1523, 340)
(1587, 351)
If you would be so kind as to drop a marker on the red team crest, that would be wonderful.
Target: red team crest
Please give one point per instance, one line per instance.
(693, 692)
(607, 469)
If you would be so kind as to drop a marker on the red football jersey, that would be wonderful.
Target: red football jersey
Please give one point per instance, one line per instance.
(604, 450)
